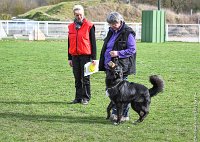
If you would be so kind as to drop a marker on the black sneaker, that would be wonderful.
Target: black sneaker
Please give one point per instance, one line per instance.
(85, 102)
(75, 101)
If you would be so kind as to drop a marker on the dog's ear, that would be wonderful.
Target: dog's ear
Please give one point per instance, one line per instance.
(111, 64)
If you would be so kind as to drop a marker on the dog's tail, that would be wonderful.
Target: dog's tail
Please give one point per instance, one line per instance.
(158, 85)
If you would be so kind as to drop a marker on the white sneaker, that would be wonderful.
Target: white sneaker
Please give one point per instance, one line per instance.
(125, 118)
(113, 117)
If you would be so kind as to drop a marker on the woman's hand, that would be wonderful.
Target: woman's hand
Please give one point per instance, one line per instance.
(93, 62)
(70, 63)
(113, 53)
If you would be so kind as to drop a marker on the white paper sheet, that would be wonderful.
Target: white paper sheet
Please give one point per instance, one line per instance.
(90, 68)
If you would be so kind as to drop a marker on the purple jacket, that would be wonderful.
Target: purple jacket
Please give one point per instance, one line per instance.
(124, 42)
(131, 47)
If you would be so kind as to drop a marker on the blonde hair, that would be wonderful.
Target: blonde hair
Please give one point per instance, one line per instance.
(78, 7)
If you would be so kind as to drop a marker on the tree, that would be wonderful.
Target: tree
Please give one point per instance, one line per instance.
(196, 5)
(181, 5)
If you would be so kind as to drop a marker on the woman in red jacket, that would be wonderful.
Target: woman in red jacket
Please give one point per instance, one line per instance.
(81, 49)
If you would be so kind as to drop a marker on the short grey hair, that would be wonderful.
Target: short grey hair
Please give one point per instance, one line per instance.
(78, 7)
(114, 17)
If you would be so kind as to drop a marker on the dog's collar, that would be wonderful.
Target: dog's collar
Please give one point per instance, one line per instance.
(114, 85)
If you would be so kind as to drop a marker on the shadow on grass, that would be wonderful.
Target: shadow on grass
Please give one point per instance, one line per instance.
(29, 103)
(66, 118)
(56, 118)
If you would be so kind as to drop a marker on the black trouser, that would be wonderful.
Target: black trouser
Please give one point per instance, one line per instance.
(82, 83)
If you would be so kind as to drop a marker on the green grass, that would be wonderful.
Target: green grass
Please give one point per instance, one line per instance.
(36, 83)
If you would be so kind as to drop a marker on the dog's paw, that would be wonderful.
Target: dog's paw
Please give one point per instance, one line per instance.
(136, 122)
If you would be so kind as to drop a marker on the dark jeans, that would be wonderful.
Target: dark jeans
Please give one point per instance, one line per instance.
(82, 83)
(125, 110)
(126, 107)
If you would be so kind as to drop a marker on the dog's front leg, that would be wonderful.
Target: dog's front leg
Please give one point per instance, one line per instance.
(119, 107)
(109, 109)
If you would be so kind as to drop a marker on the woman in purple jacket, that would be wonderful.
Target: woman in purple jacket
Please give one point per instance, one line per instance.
(120, 42)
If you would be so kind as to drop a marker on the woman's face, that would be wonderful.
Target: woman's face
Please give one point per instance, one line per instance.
(78, 14)
(115, 26)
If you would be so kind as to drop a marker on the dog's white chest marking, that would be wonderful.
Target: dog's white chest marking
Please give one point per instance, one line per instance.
(107, 94)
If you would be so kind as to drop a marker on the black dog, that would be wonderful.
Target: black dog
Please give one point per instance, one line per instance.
(122, 92)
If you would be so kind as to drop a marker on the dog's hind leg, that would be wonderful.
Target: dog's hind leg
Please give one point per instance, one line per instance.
(142, 109)
(109, 109)
(143, 113)
(136, 106)
(145, 107)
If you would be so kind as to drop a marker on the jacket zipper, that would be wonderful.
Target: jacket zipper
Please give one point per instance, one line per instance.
(77, 41)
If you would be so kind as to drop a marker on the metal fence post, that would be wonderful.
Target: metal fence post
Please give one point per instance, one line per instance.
(137, 30)
(7, 28)
(47, 28)
(26, 28)
(166, 33)
(38, 24)
(0, 29)
(199, 33)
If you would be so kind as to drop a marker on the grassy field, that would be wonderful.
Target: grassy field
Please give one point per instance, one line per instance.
(36, 83)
